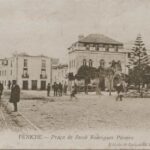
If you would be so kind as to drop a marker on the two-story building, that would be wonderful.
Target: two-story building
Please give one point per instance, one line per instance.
(95, 49)
(30, 72)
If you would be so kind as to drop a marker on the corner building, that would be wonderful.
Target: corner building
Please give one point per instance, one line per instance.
(30, 72)
(96, 49)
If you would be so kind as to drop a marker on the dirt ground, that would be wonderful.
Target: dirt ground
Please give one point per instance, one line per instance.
(87, 112)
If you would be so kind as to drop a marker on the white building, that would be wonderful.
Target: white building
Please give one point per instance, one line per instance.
(30, 72)
(95, 49)
(59, 73)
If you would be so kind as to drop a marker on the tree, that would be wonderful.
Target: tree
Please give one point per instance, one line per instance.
(113, 71)
(86, 73)
(110, 75)
(138, 63)
(100, 76)
(70, 77)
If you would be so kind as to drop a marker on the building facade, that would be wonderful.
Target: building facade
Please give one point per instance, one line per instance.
(30, 72)
(95, 50)
(59, 73)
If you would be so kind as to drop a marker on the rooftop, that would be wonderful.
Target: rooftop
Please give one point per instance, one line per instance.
(27, 55)
(99, 38)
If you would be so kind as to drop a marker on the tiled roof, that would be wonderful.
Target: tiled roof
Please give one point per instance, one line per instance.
(99, 38)
(27, 55)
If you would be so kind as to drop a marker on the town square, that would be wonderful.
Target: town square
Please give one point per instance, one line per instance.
(71, 66)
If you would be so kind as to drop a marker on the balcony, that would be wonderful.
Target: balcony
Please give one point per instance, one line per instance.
(25, 76)
(43, 76)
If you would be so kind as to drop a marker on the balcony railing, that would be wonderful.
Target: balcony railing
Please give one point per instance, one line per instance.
(25, 76)
(43, 76)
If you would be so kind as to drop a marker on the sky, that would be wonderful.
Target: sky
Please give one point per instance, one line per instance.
(49, 27)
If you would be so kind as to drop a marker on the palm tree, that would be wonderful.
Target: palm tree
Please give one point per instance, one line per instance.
(111, 71)
(100, 76)
(110, 75)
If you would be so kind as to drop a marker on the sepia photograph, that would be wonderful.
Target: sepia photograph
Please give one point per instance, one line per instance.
(74, 74)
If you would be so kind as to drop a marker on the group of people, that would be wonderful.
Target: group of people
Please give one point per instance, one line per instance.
(58, 88)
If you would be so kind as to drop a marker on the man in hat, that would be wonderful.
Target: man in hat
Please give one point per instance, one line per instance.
(15, 95)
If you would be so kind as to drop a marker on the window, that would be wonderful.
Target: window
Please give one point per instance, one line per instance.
(102, 63)
(116, 48)
(25, 63)
(107, 48)
(87, 47)
(11, 72)
(90, 63)
(11, 64)
(43, 73)
(70, 64)
(25, 72)
(43, 64)
(129, 55)
(84, 62)
(96, 47)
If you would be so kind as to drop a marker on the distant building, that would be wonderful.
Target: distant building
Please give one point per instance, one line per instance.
(30, 72)
(96, 49)
(59, 73)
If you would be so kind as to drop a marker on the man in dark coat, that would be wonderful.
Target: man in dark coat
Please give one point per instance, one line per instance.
(48, 89)
(1, 89)
(60, 89)
(65, 88)
(15, 95)
(55, 88)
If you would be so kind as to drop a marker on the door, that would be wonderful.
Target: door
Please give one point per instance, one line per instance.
(34, 84)
(43, 85)
(25, 85)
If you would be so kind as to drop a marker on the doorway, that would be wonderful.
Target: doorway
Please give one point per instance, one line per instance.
(25, 85)
(34, 84)
(43, 85)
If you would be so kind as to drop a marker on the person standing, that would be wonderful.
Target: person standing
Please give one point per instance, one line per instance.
(55, 88)
(1, 89)
(48, 89)
(65, 88)
(15, 95)
(74, 92)
(120, 90)
(60, 89)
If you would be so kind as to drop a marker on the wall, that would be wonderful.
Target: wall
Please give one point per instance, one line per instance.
(34, 70)
(78, 57)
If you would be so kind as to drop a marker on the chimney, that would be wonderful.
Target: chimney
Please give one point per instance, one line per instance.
(80, 37)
